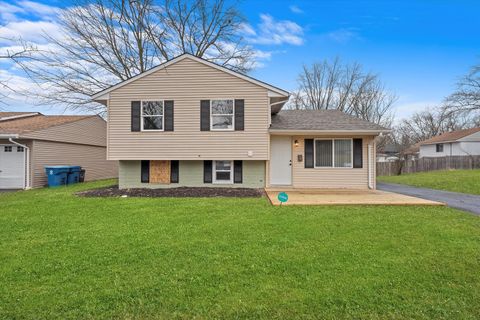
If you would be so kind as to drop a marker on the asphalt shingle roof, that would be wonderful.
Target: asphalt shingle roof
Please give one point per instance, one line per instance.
(451, 136)
(36, 122)
(331, 120)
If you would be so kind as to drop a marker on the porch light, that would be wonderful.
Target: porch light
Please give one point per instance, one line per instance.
(295, 143)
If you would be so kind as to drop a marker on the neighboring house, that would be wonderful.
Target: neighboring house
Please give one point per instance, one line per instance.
(388, 153)
(190, 122)
(29, 141)
(412, 152)
(455, 143)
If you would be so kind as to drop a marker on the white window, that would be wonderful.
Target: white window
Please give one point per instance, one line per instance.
(221, 115)
(152, 115)
(19, 149)
(7, 149)
(333, 153)
(222, 171)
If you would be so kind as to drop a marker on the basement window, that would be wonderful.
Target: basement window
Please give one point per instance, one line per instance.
(222, 171)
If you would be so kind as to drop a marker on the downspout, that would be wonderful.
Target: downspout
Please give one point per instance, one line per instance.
(27, 160)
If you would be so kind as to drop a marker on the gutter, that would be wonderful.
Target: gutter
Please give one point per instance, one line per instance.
(10, 137)
(343, 132)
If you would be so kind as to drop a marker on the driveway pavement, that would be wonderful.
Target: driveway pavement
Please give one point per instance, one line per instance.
(462, 201)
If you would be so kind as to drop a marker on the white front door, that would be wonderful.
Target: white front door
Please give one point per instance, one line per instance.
(12, 167)
(281, 160)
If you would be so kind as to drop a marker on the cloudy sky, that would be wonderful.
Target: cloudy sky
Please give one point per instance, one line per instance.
(418, 47)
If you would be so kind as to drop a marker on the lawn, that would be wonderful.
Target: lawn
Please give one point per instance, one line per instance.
(465, 181)
(67, 257)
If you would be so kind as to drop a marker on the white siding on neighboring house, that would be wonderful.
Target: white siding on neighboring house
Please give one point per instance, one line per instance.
(463, 148)
(186, 83)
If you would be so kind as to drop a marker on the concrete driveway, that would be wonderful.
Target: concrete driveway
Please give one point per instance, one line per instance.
(462, 201)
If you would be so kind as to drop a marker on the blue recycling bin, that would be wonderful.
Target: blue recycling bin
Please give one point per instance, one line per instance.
(57, 175)
(74, 174)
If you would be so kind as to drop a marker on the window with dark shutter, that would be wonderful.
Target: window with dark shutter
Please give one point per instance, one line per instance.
(174, 170)
(238, 171)
(207, 171)
(205, 115)
(357, 153)
(239, 115)
(309, 161)
(168, 113)
(135, 116)
(145, 171)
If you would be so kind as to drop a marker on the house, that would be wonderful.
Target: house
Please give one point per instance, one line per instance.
(412, 152)
(29, 141)
(456, 143)
(190, 122)
(388, 153)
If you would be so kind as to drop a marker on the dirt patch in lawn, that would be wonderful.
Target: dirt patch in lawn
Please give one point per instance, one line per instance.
(114, 191)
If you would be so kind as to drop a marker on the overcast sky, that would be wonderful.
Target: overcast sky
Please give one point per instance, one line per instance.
(418, 47)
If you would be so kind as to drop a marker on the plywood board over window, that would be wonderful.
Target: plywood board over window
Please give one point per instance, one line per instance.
(160, 171)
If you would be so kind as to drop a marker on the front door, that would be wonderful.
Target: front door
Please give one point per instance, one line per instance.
(12, 167)
(281, 160)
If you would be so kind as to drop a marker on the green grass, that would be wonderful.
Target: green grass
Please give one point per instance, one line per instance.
(67, 257)
(465, 181)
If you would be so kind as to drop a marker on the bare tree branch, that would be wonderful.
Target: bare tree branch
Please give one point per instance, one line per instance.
(108, 41)
(333, 85)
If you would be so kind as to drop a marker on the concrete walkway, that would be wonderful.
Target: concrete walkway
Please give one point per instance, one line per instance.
(345, 197)
(462, 201)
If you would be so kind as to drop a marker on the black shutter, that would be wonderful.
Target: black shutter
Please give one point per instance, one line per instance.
(135, 115)
(309, 153)
(357, 153)
(238, 171)
(205, 115)
(239, 114)
(145, 175)
(207, 171)
(174, 171)
(168, 114)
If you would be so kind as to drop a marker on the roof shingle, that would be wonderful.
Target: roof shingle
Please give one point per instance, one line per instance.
(451, 136)
(36, 122)
(321, 120)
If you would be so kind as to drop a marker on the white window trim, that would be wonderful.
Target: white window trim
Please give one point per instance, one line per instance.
(142, 116)
(333, 153)
(233, 115)
(214, 176)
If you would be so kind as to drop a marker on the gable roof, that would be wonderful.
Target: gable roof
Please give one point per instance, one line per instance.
(101, 95)
(451, 136)
(321, 120)
(36, 122)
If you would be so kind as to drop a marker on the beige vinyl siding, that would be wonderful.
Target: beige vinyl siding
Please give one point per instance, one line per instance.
(191, 175)
(329, 177)
(187, 82)
(91, 158)
(90, 131)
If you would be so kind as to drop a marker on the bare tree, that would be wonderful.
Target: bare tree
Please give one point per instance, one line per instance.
(346, 87)
(108, 41)
(466, 98)
(21, 52)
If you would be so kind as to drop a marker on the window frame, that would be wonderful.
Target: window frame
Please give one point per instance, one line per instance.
(437, 145)
(142, 116)
(333, 153)
(9, 148)
(20, 149)
(233, 115)
(214, 171)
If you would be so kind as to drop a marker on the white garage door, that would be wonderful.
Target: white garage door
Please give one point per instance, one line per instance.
(12, 167)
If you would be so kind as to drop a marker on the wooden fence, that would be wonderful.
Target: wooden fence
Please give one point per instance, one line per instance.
(427, 164)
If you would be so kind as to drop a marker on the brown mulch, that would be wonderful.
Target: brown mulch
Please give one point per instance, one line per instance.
(180, 192)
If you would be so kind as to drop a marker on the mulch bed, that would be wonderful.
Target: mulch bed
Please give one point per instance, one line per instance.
(181, 192)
